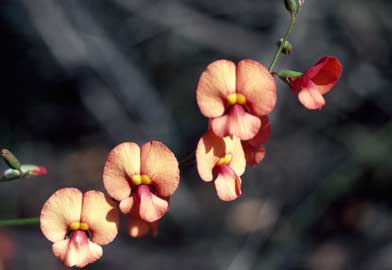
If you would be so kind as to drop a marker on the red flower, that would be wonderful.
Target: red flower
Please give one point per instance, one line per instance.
(317, 81)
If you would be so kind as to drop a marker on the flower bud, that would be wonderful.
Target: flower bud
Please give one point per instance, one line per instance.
(10, 159)
(287, 47)
(291, 5)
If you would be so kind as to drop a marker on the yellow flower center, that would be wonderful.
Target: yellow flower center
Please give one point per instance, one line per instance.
(78, 226)
(224, 160)
(138, 179)
(234, 98)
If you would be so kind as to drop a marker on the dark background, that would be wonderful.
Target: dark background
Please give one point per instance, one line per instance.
(79, 77)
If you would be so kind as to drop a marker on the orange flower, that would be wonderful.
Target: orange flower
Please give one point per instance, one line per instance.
(317, 81)
(234, 97)
(254, 148)
(142, 179)
(225, 157)
(78, 224)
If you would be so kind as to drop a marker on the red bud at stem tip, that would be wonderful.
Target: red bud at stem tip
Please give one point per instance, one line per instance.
(10, 159)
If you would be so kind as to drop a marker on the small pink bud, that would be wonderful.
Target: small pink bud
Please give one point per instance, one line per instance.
(39, 171)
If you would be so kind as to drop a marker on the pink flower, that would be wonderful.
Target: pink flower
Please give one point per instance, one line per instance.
(254, 148)
(78, 224)
(142, 179)
(225, 158)
(234, 97)
(317, 81)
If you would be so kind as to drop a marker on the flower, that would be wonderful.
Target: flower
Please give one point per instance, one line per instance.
(317, 81)
(142, 179)
(225, 157)
(39, 171)
(254, 148)
(234, 97)
(78, 224)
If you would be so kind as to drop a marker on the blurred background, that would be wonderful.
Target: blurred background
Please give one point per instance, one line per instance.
(79, 77)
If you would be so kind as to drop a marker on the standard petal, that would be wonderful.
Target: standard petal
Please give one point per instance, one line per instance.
(329, 70)
(160, 164)
(59, 212)
(236, 122)
(137, 227)
(238, 162)
(126, 205)
(73, 251)
(123, 162)
(210, 149)
(151, 207)
(311, 98)
(215, 84)
(101, 215)
(257, 84)
(227, 184)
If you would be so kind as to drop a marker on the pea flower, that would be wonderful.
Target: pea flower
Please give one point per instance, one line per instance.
(78, 224)
(224, 157)
(142, 179)
(234, 97)
(316, 82)
(254, 148)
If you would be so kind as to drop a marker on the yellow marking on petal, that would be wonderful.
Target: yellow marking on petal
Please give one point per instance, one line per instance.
(136, 179)
(74, 226)
(83, 226)
(146, 180)
(241, 99)
(224, 160)
(232, 99)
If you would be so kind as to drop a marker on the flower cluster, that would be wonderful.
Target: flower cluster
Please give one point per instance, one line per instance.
(141, 179)
(237, 98)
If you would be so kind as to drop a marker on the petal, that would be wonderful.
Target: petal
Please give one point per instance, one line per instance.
(238, 162)
(263, 134)
(123, 162)
(227, 184)
(328, 72)
(253, 154)
(77, 251)
(101, 215)
(137, 227)
(257, 84)
(160, 164)
(311, 98)
(60, 210)
(151, 207)
(126, 205)
(73, 251)
(210, 149)
(215, 84)
(236, 122)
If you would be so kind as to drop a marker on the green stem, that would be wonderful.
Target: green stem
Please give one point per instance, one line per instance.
(19, 221)
(293, 16)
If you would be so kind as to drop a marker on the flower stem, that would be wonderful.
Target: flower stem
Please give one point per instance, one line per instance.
(293, 16)
(19, 221)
